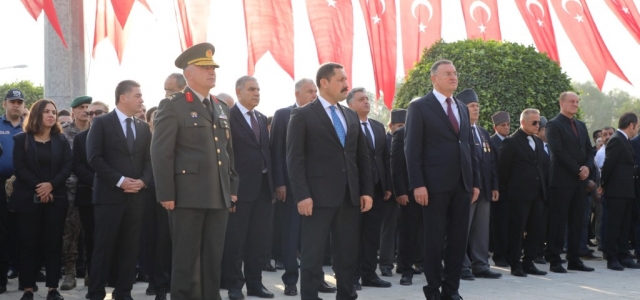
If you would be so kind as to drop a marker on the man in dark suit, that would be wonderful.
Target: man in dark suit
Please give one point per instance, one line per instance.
(499, 221)
(118, 150)
(373, 130)
(635, 144)
(443, 173)
(476, 261)
(390, 207)
(249, 227)
(194, 175)
(544, 221)
(305, 92)
(571, 159)
(330, 173)
(520, 167)
(619, 177)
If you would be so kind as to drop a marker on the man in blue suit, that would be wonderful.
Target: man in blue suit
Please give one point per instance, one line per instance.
(443, 173)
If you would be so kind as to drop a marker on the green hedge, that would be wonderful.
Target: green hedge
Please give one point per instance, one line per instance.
(507, 76)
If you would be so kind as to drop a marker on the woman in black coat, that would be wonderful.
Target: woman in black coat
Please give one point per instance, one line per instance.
(42, 160)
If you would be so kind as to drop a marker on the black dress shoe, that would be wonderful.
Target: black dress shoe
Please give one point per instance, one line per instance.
(279, 265)
(151, 290)
(325, 288)
(376, 282)
(434, 297)
(557, 268)
(290, 290)
(54, 295)
(161, 296)
(3, 288)
(487, 274)
(235, 294)
(614, 265)
(579, 267)
(540, 260)
(12, 274)
(452, 297)
(357, 286)
(467, 275)
(386, 272)
(532, 270)
(500, 262)
(406, 280)
(27, 296)
(268, 267)
(518, 272)
(260, 292)
(630, 264)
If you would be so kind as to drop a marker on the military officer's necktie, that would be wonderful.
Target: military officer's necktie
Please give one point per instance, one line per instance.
(337, 124)
(452, 117)
(254, 125)
(130, 138)
(207, 105)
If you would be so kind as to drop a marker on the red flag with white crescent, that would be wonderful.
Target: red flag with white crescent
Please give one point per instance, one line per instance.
(380, 20)
(35, 8)
(537, 16)
(108, 27)
(481, 19)
(627, 13)
(332, 26)
(269, 25)
(421, 23)
(192, 17)
(575, 17)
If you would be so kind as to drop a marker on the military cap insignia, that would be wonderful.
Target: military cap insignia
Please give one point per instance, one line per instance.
(209, 53)
(189, 96)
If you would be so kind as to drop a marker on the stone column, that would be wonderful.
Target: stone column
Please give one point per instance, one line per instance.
(64, 71)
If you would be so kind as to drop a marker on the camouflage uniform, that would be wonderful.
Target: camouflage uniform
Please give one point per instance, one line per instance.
(72, 224)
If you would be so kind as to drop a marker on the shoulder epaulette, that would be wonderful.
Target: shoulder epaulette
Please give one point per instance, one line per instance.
(175, 96)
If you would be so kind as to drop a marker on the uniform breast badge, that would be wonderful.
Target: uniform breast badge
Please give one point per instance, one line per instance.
(194, 114)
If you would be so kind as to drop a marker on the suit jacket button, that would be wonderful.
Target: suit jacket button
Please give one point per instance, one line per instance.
(218, 150)
(219, 163)
(195, 124)
(214, 126)
(183, 171)
(215, 138)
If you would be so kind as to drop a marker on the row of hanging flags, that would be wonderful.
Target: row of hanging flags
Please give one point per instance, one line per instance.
(269, 27)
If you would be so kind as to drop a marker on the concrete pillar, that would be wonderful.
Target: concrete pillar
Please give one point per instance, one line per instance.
(64, 71)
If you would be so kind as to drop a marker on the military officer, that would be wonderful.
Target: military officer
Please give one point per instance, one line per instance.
(194, 174)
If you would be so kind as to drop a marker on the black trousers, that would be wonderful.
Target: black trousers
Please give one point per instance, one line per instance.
(276, 242)
(117, 235)
(446, 226)
(4, 239)
(291, 220)
(409, 236)
(544, 223)
(566, 211)
(370, 226)
(524, 216)
(156, 244)
(88, 227)
(343, 223)
(616, 240)
(248, 240)
(499, 228)
(40, 233)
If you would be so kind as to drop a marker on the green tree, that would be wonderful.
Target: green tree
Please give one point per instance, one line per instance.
(378, 111)
(32, 93)
(507, 76)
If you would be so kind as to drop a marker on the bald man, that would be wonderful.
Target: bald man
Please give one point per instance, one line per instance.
(226, 98)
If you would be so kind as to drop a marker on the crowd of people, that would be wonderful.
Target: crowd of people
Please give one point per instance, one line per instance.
(202, 193)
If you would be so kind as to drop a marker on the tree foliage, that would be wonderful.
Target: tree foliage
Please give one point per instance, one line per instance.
(603, 109)
(379, 111)
(32, 93)
(507, 76)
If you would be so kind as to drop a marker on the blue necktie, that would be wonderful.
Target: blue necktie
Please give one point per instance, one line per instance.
(337, 124)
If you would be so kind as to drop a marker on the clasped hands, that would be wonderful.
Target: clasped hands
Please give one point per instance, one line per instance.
(305, 207)
(584, 173)
(43, 191)
(422, 196)
(130, 185)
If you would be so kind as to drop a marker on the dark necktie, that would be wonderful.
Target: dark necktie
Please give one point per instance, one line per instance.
(452, 117)
(254, 125)
(367, 136)
(207, 105)
(476, 141)
(573, 126)
(130, 138)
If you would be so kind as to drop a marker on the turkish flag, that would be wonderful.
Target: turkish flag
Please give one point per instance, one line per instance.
(380, 20)
(332, 26)
(538, 18)
(122, 8)
(481, 19)
(269, 25)
(575, 17)
(627, 13)
(192, 17)
(421, 24)
(108, 27)
(35, 7)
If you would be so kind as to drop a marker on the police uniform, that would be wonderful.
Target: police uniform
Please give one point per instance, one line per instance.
(193, 165)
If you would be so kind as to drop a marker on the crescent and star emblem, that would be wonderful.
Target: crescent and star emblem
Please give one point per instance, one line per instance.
(578, 17)
(539, 5)
(485, 7)
(426, 4)
(375, 18)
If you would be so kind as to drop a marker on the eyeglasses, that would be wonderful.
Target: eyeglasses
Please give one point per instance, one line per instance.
(535, 123)
(96, 113)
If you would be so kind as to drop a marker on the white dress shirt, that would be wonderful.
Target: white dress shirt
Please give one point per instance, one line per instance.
(369, 131)
(443, 101)
(600, 156)
(500, 136)
(123, 122)
(531, 143)
(546, 147)
(475, 128)
(326, 106)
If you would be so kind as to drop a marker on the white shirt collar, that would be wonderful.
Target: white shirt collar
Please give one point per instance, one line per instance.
(325, 103)
(243, 109)
(442, 98)
(625, 135)
(201, 97)
(500, 136)
(121, 116)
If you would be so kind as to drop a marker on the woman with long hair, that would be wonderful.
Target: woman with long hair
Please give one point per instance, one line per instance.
(42, 160)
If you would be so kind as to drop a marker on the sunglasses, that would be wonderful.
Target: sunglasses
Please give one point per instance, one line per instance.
(96, 113)
(535, 123)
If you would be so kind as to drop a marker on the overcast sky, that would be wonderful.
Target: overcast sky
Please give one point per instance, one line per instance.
(153, 46)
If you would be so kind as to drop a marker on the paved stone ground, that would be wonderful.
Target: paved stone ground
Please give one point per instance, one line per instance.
(600, 284)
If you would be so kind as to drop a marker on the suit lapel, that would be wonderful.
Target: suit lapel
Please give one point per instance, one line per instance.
(235, 113)
(316, 106)
(435, 106)
(117, 128)
(524, 143)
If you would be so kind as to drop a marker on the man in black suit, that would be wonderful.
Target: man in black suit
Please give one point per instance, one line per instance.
(499, 221)
(118, 148)
(520, 168)
(305, 92)
(443, 173)
(571, 159)
(476, 261)
(330, 173)
(249, 227)
(544, 221)
(373, 130)
(619, 177)
(390, 207)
